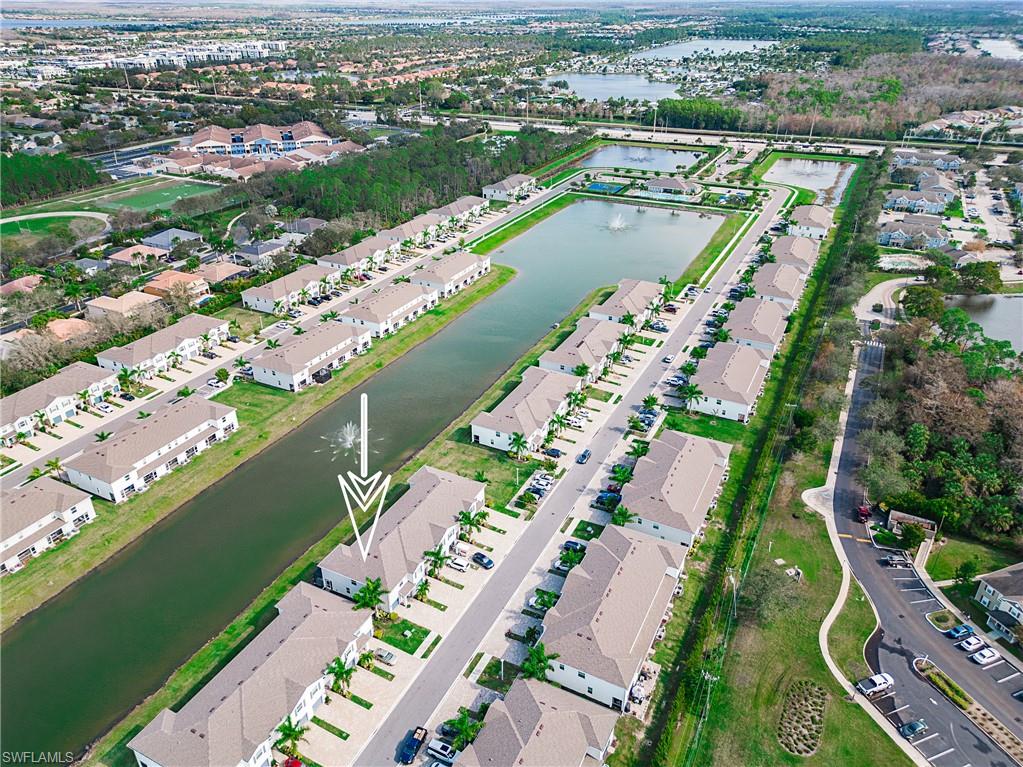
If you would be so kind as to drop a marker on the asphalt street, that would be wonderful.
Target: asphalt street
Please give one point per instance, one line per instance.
(902, 600)
(461, 641)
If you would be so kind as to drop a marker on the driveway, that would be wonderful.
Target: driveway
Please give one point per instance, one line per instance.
(902, 600)
(444, 667)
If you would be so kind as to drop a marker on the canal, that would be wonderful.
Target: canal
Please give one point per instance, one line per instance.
(73, 668)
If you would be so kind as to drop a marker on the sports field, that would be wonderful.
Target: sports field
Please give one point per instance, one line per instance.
(33, 225)
(141, 194)
(154, 196)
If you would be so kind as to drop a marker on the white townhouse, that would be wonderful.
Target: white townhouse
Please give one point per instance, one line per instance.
(781, 283)
(917, 158)
(184, 340)
(420, 231)
(292, 289)
(424, 518)
(133, 459)
(373, 251)
(527, 410)
(811, 221)
(800, 252)
(510, 189)
(462, 210)
(758, 323)
(53, 400)
(609, 611)
(915, 202)
(450, 274)
(635, 298)
(539, 725)
(730, 380)
(310, 356)
(234, 719)
(1001, 593)
(675, 485)
(37, 516)
(391, 309)
(591, 344)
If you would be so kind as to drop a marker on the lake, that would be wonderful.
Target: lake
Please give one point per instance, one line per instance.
(19, 22)
(598, 87)
(1001, 316)
(702, 47)
(825, 177)
(78, 664)
(641, 158)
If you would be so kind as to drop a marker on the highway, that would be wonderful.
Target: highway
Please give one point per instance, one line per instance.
(902, 601)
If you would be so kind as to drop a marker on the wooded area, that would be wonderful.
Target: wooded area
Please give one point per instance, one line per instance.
(29, 177)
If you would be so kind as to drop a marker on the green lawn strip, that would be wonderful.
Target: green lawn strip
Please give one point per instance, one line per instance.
(884, 537)
(472, 665)
(449, 582)
(360, 701)
(249, 322)
(432, 647)
(336, 731)
(261, 420)
(395, 634)
(490, 242)
(943, 561)
(703, 425)
(307, 761)
(381, 672)
(436, 605)
(850, 632)
(587, 531)
(601, 395)
(492, 678)
(714, 247)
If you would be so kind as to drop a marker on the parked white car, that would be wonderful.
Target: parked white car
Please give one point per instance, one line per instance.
(103, 407)
(875, 685)
(985, 656)
(459, 563)
(971, 644)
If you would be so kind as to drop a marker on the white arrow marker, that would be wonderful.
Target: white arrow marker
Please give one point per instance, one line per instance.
(362, 490)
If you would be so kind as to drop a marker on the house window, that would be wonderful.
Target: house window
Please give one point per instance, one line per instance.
(581, 674)
(191, 451)
(589, 691)
(150, 477)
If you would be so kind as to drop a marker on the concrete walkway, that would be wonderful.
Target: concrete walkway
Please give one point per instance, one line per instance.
(821, 500)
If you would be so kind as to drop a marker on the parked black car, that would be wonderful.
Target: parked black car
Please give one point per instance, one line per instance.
(573, 546)
(483, 560)
(553, 452)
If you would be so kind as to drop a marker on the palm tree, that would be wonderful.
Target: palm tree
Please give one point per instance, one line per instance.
(467, 521)
(175, 358)
(41, 419)
(303, 295)
(437, 558)
(279, 307)
(722, 334)
(342, 674)
(689, 393)
(299, 330)
(206, 341)
(74, 292)
(575, 399)
(289, 734)
(518, 444)
(423, 589)
(366, 659)
(627, 339)
(273, 343)
(621, 474)
(689, 369)
(241, 362)
(650, 401)
(464, 729)
(559, 422)
(629, 320)
(54, 466)
(480, 517)
(370, 595)
(84, 398)
(35, 474)
(331, 315)
(571, 557)
(102, 436)
(639, 449)
(124, 379)
(614, 358)
(537, 662)
(582, 370)
(621, 516)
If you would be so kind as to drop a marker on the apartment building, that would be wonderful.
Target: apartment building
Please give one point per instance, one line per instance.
(758, 323)
(371, 252)
(634, 298)
(418, 232)
(800, 252)
(811, 221)
(510, 189)
(462, 210)
(675, 485)
(1001, 594)
(780, 283)
(539, 725)
(590, 345)
(53, 400)
(292, 289)
(391, 309)
(527, 410)
(915, 202)
(424, 518)
(310, 357)
(731, 379)
(184, 340)
(902, 158)
(258, 139)
(608, 614)
(134, 458)
(38, 516)
(452, 273)
(233, 719)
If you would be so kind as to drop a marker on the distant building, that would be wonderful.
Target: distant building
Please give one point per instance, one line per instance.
(391, 309)
(258, 139)
(917, 202)
(915, 157)
(127, 305)
(168, 238)
(164, 284)
(685, 190)
(452, 273)
(510, 189)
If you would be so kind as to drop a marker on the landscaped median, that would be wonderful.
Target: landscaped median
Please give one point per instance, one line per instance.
(261, 418)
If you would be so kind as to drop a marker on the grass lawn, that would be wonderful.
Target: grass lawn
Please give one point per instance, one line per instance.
(156, 196)
(724, 234)
(35, 226)
(942, 563)
(587, 531)
(261, 422)
(492, 678)
(337, 731)
(250, 322)
(601, 395)
(703, 425)
(403, 634)
(849, 633)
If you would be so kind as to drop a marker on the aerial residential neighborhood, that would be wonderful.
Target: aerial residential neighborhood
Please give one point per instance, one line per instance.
(477, 385)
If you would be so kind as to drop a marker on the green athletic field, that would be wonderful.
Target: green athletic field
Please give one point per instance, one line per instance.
(157, 196)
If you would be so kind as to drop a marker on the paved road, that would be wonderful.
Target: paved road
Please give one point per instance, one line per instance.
(455, 652)
(902, 600)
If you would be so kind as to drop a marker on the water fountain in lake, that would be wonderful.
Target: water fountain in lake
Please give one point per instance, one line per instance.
(617, 223)
(342, 443)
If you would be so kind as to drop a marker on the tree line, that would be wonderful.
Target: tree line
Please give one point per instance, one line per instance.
(28, 177)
